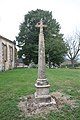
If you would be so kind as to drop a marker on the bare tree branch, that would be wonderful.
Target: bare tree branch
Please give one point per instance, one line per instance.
(73, 45)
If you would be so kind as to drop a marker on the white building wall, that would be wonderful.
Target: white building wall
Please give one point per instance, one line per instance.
(8, 62)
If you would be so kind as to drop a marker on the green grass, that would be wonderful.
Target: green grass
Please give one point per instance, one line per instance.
(20, 82)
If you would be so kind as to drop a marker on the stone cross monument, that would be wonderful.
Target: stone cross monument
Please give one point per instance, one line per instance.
(42, 101)
(42, 85)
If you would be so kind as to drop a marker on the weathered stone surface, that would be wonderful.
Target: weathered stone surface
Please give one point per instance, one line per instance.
(42, 90)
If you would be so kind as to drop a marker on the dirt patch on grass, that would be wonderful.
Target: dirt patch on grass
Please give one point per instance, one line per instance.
(29, 106)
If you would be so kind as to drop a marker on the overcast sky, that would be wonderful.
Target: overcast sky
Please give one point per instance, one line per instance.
(66, 12)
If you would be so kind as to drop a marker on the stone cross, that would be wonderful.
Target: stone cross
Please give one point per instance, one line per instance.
(42, 86)
(40, 24)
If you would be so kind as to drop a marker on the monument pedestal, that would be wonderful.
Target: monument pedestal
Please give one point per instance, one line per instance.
(42, 91)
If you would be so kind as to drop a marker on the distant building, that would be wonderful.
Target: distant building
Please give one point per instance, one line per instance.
(20, 63)
(7, 54)
(66, 63)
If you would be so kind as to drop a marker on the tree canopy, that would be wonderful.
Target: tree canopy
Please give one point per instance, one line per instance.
(28, 37)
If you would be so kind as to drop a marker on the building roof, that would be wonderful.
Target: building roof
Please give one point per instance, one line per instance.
(7, 39)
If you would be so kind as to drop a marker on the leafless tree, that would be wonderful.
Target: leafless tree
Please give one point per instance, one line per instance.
(73, 45)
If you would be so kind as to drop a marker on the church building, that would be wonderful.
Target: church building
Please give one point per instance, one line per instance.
(7, 54)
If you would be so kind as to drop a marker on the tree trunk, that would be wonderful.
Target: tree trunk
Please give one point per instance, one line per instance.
(72, 63)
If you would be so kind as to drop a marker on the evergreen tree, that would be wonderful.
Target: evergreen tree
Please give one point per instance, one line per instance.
(29, 35)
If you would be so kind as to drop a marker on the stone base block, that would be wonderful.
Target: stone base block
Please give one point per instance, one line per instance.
(42, 93)
(43, 98)
(42, 90)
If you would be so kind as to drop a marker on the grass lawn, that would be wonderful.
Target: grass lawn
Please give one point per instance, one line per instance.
(20, 82)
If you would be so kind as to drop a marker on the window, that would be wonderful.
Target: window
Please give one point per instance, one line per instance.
(11, 53)
(4, 52)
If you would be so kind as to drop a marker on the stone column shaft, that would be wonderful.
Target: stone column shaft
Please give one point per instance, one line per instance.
(41, 58)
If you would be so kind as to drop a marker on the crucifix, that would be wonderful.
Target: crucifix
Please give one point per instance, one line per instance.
(42, 85)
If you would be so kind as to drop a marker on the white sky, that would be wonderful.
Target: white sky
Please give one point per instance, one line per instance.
(66, 12)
